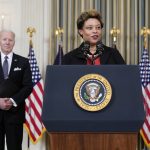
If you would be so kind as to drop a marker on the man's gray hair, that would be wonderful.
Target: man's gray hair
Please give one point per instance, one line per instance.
(4, 30)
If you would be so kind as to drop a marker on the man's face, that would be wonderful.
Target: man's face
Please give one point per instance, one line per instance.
(7, 41)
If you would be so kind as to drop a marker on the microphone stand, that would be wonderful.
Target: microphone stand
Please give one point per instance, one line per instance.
(89, 55)
(93, 56)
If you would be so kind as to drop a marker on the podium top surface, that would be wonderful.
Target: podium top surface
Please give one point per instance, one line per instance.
(124, 113)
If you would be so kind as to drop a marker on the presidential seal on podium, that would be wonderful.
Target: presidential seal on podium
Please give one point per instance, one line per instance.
(92, 92)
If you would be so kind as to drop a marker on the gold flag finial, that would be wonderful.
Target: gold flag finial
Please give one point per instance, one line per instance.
(58, 32)
(114, 32)
(145, 32)
(30, 31)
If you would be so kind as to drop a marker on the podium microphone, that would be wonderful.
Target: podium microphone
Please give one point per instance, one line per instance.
(89, 55)
(86, 48)
(99, 48)
(99, 51)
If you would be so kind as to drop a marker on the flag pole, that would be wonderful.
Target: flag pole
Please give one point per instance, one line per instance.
(59, 32)
(30, 31)
(114, 32)
(59, 44)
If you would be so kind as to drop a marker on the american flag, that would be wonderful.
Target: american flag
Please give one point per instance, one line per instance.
(145, 80)
(34, 102)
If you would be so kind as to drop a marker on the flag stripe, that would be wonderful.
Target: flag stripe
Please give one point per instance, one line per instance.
(36, 99)
(34, 103)
(34, 110)
(32, 120)
(31, 134)
(146, 100)
(144, 133)
(35, 127)
(41, 86)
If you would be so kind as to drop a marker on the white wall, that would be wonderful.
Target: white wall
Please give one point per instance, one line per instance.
(18, 15)
(12, 18)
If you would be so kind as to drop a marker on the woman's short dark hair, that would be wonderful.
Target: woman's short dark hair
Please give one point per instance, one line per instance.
(87, 15)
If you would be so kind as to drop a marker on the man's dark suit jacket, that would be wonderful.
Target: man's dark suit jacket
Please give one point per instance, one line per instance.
(18, 86)
(109, 56)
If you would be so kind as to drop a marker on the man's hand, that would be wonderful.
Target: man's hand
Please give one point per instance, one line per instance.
(5, 103)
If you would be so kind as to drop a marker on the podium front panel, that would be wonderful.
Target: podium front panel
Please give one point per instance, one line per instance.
(124, 113)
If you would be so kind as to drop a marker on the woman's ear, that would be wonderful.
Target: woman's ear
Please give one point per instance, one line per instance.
(80, 32)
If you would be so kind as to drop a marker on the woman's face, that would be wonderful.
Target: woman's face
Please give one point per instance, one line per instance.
(91, 31)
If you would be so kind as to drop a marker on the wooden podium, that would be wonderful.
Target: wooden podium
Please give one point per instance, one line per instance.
(93, 141)
(115, 127)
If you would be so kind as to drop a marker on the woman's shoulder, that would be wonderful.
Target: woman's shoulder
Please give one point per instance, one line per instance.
(110, 49)
(114, 53)
(75, 51)
(74, 56)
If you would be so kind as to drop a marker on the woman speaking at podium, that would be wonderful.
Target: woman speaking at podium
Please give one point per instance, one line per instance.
(92, 51)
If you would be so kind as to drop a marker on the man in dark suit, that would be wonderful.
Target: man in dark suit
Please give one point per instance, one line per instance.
(15, 87)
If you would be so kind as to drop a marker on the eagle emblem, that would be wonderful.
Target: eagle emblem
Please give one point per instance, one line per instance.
(92, 92)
